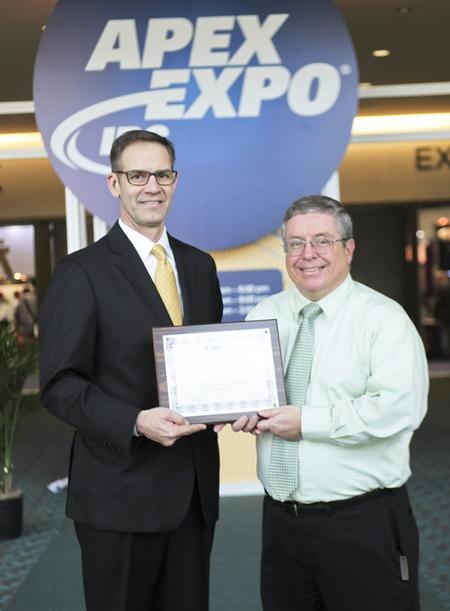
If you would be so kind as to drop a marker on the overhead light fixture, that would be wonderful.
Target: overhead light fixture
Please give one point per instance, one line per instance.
(401, 124)
(443, 221)
(20, 140)
(403, 10)
(443, 233)
(381, 53)
(24, 145)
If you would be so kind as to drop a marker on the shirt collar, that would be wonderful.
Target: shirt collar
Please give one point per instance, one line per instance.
(144, 245)
(333, 302)
(330, 304)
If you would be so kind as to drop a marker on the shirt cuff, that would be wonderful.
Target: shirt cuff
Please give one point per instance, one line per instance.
(135, 433)
(316, 422)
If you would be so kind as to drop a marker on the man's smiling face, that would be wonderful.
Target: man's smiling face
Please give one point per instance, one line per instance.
(317, 275)
(143, 208)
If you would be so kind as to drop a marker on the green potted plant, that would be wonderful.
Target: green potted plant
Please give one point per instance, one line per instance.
(16, 363)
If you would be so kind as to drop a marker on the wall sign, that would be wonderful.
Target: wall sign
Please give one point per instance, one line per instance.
(432, 158)
(242, 290)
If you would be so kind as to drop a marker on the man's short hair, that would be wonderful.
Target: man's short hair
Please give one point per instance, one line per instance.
(324, 205)
(138, 135)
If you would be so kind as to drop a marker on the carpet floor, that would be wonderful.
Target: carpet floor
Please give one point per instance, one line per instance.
(40, 571)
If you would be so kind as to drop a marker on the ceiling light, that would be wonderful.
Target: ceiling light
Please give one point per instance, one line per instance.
(24, 145)
(443, 221)
(20, 140)
(381, 53)
(443, 233)
(403, 10)
(401, 124)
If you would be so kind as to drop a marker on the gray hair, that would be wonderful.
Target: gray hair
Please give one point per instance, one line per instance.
(324, 205)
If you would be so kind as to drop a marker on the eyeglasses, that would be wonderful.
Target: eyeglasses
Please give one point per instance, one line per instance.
(321, 246)
(139, 178)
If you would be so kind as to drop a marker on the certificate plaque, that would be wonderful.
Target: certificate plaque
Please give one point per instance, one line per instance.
(216, 373)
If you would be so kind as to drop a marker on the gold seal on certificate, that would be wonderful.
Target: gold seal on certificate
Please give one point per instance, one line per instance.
(216, 373)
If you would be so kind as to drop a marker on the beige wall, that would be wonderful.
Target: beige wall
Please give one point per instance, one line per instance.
(30, 190)
(369, 173)
(386, 172)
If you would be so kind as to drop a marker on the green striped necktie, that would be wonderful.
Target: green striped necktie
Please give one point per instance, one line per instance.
(284, 458)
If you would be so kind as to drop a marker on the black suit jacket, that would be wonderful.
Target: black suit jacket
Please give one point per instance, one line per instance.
(97, 373)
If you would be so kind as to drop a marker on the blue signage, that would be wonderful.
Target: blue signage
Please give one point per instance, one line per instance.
(258, 98)
(242, 290)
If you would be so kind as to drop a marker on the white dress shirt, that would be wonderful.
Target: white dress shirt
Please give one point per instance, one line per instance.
(144, 246)
(367, 392)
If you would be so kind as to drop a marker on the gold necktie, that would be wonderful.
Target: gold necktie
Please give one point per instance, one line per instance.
(166, 285)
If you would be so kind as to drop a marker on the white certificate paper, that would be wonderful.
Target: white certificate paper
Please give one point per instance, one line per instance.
(219, 374)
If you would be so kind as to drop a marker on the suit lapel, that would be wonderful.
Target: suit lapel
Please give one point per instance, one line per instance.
(131, 266)
(186, 277)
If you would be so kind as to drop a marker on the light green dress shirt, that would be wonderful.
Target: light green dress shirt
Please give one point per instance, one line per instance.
(367, 392)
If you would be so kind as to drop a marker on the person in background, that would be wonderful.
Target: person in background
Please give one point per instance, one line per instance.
(6, 311)
(442, 313)
(16, 299)
(143, 482)
(25, 317)
(338, 529)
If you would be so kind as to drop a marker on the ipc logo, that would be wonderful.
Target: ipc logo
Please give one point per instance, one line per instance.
(258, 99)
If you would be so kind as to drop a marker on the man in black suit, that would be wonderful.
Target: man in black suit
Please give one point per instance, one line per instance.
(143, 482)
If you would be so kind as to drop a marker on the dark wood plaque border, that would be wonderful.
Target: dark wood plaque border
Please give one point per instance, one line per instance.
(161, 375)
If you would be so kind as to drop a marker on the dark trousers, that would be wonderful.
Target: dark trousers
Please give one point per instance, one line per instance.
(148, 571)
(341, 557)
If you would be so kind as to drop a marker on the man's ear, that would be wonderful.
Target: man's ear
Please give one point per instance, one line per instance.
(113, 184)
(349, 249)
(174, 186)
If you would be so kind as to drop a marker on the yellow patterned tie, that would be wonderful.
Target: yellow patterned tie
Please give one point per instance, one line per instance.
(166, 284)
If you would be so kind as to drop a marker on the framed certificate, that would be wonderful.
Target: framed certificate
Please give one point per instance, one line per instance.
(216, 373)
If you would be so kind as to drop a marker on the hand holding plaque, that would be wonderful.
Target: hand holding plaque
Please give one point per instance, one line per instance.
(216, 373)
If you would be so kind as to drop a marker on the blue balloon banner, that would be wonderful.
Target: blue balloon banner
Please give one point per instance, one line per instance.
(258, 98)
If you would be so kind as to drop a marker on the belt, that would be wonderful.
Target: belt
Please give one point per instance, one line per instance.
(299, 509)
